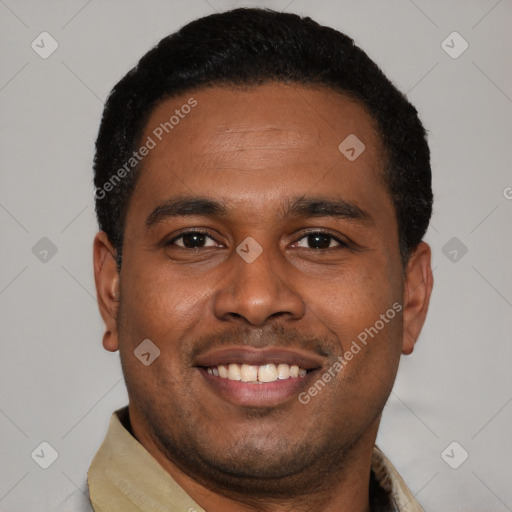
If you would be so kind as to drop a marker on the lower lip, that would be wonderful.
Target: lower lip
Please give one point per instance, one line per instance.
(248, 394)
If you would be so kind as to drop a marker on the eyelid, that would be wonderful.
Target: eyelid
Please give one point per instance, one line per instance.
(341, 240)
(186, 231)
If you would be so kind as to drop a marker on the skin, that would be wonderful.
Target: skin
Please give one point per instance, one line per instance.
(256, 150)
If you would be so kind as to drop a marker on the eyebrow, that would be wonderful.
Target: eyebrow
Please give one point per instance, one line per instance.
(180, 207)
(324, 207)
(301, 207)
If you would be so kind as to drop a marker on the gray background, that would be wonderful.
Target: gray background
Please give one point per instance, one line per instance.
(57, 383)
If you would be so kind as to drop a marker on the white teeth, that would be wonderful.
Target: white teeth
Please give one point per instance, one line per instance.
(283, 371)
(249, 373)
(234, 372)
(253, 373)
(267, 373)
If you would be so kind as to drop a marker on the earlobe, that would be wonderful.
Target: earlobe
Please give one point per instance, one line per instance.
(418, 288)
(106, 277)
(110, 342)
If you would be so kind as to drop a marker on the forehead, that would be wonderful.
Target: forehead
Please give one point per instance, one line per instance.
(260, 143)
(274, 114)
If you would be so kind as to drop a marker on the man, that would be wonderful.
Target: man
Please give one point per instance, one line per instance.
(262, 192)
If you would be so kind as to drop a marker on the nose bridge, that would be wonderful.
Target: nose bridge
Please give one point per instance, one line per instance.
(261, 275)
(257, 287)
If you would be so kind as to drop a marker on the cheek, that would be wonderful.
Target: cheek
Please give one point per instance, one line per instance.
(153, 308)
(169, 309)
(156, 304)
(354, 301)
(362, 308)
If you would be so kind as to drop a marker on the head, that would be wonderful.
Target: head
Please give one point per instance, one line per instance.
(262, 191)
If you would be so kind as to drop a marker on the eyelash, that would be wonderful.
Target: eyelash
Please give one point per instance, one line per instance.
(342, 243)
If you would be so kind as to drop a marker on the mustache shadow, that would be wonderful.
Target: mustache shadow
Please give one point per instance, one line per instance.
(268, 336)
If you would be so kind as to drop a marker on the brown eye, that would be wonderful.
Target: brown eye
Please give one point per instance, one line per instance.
(194, 240)
(319, 241)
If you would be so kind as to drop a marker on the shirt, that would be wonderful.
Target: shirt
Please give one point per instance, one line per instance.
(124, 477)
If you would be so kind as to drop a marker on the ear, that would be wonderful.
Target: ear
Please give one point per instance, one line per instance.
(106, 278)
(418, 288)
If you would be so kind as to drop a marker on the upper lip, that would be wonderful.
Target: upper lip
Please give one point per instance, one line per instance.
(256, 357)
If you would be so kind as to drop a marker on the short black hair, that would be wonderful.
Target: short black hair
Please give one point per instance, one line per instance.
(245, 47)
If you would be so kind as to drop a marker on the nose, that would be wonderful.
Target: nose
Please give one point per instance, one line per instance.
(253, 293)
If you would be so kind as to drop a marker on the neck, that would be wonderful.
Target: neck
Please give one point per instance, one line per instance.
(345, 488)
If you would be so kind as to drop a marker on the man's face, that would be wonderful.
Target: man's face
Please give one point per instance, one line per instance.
(260, 170)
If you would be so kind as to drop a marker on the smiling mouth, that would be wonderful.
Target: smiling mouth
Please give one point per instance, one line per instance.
(257, 374)
(257, 377)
